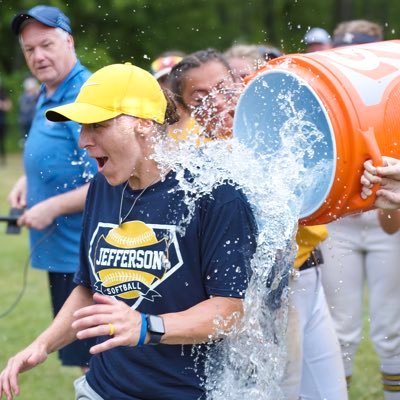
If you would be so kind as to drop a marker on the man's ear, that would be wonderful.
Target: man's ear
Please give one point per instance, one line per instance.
(70, 41)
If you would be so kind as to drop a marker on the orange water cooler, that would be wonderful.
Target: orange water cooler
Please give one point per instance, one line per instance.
(351, 95)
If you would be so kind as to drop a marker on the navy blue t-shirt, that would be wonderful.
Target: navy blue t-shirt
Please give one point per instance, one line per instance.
(155, 267)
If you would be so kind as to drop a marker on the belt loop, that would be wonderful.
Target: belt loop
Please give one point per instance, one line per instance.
(314, 258)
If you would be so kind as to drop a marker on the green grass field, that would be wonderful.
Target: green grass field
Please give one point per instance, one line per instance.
(32, 314)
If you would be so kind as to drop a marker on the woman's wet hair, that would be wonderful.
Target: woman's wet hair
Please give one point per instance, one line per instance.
(193, 60)
(171, 113)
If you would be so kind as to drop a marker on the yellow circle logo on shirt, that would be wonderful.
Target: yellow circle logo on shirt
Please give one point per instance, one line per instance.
(131, 235)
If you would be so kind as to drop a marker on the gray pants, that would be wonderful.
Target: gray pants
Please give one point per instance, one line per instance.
(83, 391)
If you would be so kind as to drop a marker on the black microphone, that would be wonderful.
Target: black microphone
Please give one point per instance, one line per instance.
(11, 219)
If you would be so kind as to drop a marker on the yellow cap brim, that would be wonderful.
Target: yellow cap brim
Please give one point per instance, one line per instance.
(82, 113)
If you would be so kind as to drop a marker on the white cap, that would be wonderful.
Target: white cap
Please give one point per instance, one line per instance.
(317, 35)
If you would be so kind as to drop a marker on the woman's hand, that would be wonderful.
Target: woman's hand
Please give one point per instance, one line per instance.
(26, 359)
(95, 320)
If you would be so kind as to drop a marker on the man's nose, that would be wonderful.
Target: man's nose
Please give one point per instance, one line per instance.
(38, 54)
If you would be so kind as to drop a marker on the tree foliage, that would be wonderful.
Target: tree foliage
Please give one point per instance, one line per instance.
(138, 30)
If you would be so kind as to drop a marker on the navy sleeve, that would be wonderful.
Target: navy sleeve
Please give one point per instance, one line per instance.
(82, 274)
(228, 242)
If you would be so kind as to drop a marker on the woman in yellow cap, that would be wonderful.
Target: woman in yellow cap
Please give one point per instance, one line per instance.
(156, 272)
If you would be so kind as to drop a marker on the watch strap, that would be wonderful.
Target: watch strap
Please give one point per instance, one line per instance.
(155, 336)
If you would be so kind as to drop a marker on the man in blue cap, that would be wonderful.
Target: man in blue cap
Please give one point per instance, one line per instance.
(317, 39)
(54, 187)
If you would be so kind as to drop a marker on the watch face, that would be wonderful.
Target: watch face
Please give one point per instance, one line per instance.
(156, 324)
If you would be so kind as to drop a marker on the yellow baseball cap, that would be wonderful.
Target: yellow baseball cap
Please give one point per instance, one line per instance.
(111, 91)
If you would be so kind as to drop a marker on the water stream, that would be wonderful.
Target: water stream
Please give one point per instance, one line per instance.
(250, 362)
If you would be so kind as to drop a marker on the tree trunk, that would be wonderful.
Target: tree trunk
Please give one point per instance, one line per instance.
(344, 10)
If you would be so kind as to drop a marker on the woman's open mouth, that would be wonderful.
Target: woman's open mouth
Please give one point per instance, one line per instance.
(101, 161)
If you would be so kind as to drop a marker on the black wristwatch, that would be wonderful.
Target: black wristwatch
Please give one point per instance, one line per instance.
(155, 327)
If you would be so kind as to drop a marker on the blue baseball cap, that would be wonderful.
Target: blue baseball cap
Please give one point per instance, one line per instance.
(350, 38)
(46, 15)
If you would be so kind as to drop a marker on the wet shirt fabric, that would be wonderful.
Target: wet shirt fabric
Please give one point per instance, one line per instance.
(54, 164)
(157, 264)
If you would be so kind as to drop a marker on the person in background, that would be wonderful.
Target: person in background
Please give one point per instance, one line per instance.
(162, 65)
(27, 105)
(360, 251)
(244, 59)
(160, 69)
(151, 292)
(54, 187)
(205, 86)
(358, 31)
(5, 107)
(269, 52)
(317, 39)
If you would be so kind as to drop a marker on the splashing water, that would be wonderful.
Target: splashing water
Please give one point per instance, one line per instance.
(249, 363)
(80, 161)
